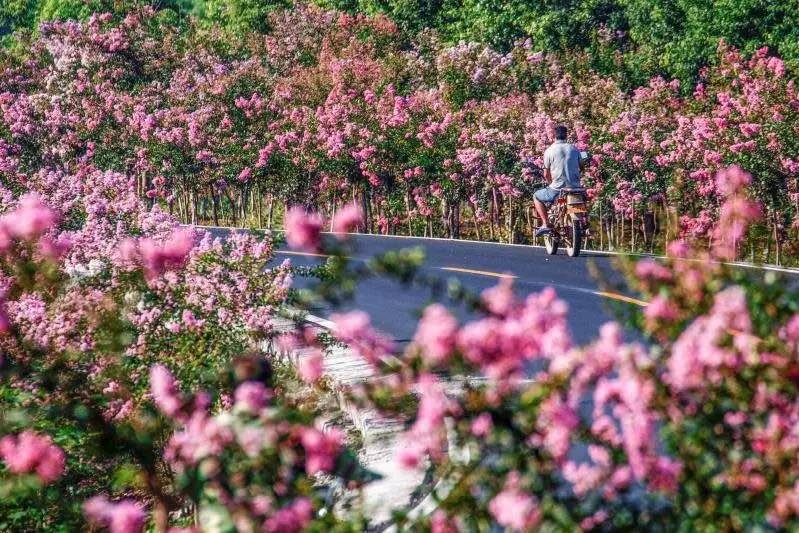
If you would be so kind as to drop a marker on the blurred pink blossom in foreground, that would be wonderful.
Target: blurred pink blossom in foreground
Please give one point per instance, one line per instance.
(303, 230)
(30, 453)
(125, 516)
(513, 507)
(347, 220)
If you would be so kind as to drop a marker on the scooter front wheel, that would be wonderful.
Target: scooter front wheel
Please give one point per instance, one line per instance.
(551, 243)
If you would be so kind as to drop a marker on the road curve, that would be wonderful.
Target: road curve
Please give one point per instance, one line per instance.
(394, 308)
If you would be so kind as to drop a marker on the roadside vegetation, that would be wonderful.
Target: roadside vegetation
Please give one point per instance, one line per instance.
(229, 123)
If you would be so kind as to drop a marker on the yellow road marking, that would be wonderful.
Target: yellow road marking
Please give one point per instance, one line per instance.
(479, 272)
(622, 298)
(612, 295)
(308, 254)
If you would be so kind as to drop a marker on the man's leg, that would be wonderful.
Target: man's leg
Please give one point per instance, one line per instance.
(541, 209)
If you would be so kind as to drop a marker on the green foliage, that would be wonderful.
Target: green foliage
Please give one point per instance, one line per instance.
(636, 39)
(27, 14)
(238, 15)
(679, 36)
(15, 14)
(71, 9)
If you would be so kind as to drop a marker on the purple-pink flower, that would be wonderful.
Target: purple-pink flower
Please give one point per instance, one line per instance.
(436, 334)
(165, 390)
(311, 366)
(124, 516)
(322, 449)
(355, 329)
(347, 220)
(159, 257)
(303, 230)
(31, 453)
(252, 396)
(31, 219)
(292, 518)
(515, 508)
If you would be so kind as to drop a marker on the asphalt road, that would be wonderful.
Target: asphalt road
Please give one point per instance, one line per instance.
(394, 307)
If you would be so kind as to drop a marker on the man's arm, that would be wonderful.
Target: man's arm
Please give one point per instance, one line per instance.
(583, 163)
(547, 164)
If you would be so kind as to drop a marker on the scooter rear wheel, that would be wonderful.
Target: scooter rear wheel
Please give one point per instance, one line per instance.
(576, 238)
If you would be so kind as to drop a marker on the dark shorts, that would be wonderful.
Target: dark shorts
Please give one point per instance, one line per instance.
(547, 195)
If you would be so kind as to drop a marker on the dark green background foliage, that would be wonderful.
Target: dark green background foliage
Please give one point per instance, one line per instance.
(632, 39)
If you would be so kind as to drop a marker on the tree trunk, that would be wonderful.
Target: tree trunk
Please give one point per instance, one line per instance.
(332, 212)
(193, 207)
(457, 208)
(408, 212)
(260, 207)
(491, 232)
(511, 218)
(365, 208)
(271, 213)
(215, 201)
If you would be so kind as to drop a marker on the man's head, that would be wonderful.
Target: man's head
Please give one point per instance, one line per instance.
(560, 132)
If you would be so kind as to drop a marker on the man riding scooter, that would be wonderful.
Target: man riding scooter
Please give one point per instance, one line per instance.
(562, 162)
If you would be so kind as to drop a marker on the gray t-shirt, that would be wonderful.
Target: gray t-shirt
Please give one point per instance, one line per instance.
(563, 161)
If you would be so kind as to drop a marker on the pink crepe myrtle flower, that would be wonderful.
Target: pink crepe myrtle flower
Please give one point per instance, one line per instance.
(303, 230)
(191, 322)
(664, 475)
(698, 354)
(245, 175)
(788, 333)
(311, 366)
(594, 520)
(31, 453)
(170, 254)
(252, 396)
(31, 219)
(427, 434)
(125, 516)
(355, 329)
(584, 477)
(557, 421)
(321, 449)
(660, 309)
(201, 436)
(165, 390)
(731, 180)
(410, 453)
(346, 220)
(482, 425)
(54, 249)
(500, 298)
(436, 334)
(515, 508)
(650, 269)
(292, 518)
(5, 323)
(441, 523)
